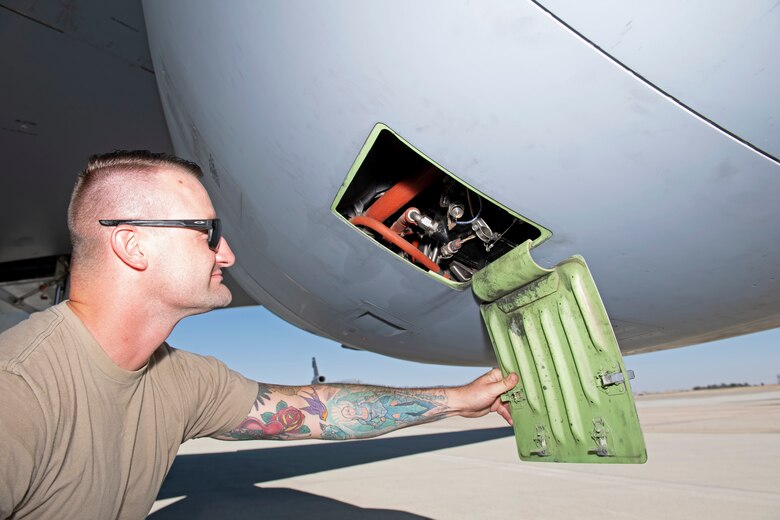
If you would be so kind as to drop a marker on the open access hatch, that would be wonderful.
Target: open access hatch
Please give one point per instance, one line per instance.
(424, 214)
(573, 402)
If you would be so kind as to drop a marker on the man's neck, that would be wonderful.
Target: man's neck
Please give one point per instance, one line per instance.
(128, 338)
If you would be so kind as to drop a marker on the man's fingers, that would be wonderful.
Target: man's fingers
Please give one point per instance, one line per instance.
(498, 387)
(504, 384)
(496, 375)
(503, 411)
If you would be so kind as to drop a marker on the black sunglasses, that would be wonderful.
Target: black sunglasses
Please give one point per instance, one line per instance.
(212, 226)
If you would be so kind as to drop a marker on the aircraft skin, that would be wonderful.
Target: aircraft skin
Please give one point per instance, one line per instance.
(643, 136)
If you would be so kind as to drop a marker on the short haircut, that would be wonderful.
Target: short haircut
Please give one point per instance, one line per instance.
(116, 185)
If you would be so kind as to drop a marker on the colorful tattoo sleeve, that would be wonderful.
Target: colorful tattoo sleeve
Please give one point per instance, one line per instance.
(337, 412)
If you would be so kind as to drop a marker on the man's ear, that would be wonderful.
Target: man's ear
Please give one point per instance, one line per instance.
(126, 245)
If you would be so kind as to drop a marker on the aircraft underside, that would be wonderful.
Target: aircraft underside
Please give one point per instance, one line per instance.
(642, 137)
(666, 183)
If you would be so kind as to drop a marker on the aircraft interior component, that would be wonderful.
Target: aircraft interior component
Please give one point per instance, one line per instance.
(426, 223)
(482, 230)
(400, 194)
(429, 250)
(396, 239)
(406, 219)
(361, 203)
(461, 272)
(428, 216)
(455, 211)
(450, 248)
(479, 211)
(573, 402)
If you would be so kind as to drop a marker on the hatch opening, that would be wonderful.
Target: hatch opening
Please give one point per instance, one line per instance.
(421, 212)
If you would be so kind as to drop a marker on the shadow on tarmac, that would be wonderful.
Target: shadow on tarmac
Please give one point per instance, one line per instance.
(220, 485)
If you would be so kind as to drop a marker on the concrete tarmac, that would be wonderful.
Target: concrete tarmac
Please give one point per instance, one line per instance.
(712, 454)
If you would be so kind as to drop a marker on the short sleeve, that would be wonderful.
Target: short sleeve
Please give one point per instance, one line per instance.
(214, 398)
(21, 441)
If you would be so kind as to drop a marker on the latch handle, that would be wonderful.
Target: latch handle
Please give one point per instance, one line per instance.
(613, 378)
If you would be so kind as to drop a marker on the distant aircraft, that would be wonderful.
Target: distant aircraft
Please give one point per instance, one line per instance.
(317, 379)
(642, 136)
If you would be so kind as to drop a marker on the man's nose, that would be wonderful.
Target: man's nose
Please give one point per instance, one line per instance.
(225, 256)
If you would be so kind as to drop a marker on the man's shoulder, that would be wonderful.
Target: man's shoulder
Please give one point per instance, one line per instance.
(167, 358)
(21, 340)
(187, 370)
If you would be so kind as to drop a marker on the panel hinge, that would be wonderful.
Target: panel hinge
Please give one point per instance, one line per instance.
(540, 439)
(599, 435)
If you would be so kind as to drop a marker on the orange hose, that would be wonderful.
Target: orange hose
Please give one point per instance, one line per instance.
(394, 238)
(403, 222)
(399, 195)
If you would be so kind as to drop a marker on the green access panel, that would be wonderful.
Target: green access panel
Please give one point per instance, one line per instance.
(573, 402)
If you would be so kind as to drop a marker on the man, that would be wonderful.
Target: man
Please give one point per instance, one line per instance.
(95, 404)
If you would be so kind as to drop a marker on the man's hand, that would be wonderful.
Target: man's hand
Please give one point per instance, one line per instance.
(483, 395)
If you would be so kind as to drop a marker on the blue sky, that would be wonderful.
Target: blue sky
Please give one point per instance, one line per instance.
(261, 346)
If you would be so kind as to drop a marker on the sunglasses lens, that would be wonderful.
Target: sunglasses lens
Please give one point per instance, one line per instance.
(215, 234)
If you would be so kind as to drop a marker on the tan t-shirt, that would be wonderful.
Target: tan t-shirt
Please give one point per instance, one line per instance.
(81, 437)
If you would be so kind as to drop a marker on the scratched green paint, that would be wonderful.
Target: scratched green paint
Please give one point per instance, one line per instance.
(551, 326)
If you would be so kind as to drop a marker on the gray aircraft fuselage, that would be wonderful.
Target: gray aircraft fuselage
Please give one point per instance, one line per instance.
(643, 136)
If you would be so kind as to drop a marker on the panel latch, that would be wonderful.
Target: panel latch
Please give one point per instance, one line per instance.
(613, 378)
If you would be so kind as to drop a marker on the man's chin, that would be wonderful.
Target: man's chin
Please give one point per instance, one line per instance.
(225, 297)
(227, 300)
(218, 299)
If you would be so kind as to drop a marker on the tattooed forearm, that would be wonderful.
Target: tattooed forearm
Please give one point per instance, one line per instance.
(371, 411)
(337, 412)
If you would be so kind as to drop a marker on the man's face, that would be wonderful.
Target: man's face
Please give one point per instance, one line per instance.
(187, 274)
